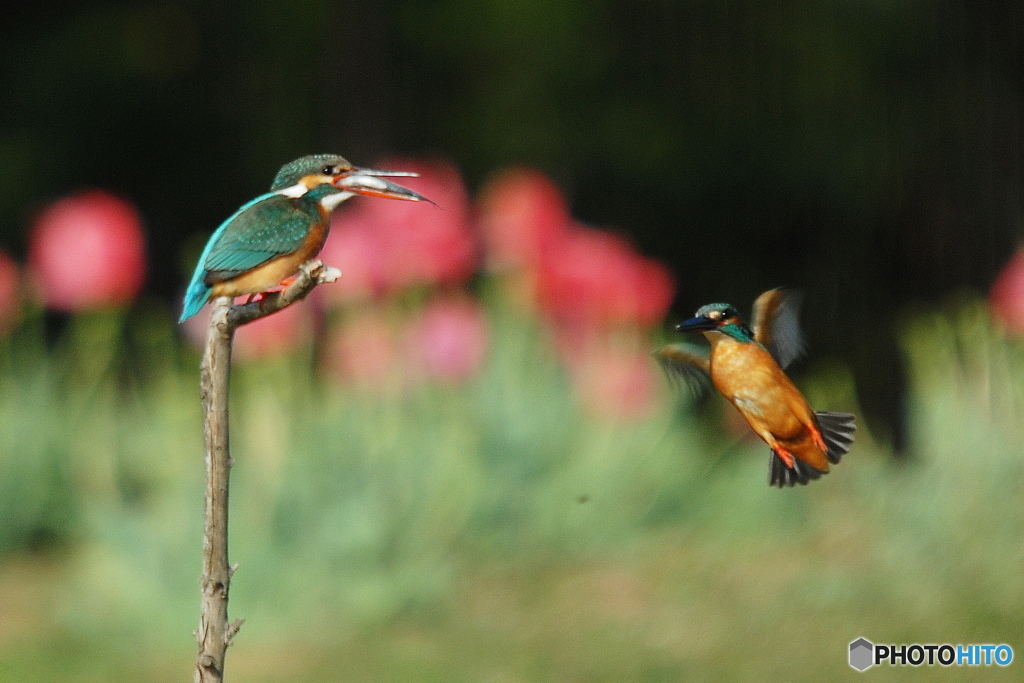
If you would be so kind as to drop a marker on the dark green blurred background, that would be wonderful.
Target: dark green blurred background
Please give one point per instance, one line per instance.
(867, 151)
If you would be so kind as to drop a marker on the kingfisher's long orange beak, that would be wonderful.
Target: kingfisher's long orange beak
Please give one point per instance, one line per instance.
(370, 182)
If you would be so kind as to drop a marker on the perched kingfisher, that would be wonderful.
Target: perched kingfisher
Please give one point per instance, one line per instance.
(265, 241)
(746, 367)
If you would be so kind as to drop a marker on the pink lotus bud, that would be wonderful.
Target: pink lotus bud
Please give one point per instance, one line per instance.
(1006, 298)
(87, 251)
(522, 212)
(612, 377)
(364, 351)
(10, 293)
(449, 339)
(594, 277)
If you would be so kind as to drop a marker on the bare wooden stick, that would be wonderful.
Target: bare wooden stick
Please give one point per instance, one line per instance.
(215, 632)
(215, 373)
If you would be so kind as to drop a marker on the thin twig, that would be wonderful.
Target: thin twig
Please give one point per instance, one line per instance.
(215, 632)
(310, 275)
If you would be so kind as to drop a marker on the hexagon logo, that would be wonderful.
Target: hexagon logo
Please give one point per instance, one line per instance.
(861, 654)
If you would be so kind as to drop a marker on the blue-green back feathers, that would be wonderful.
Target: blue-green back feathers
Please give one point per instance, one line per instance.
(267, 227)
(270, 226)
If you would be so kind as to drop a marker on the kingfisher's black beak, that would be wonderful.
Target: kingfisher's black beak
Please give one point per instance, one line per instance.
(700, 323)
(370, 182)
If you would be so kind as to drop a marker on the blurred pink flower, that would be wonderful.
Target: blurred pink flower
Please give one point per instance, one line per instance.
(1006, 297)
(87, 251)
(613, 377)
(449, 339)
(10, 293)
(594, 277)
(275, 334)
(364, 350)
(522, 213)
(382, 246)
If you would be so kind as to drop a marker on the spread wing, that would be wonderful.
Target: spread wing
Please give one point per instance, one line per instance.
(267, 227)
(777, 324)
(685, 364)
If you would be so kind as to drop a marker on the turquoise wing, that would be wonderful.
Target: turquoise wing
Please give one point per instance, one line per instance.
(269, 226)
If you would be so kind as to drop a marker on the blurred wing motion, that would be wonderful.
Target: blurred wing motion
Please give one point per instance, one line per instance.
(685, 364)
(777, 324)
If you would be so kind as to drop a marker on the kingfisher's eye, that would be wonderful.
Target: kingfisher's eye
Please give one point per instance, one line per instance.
(329, 170)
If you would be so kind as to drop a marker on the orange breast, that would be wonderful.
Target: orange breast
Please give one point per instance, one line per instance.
(749, 377)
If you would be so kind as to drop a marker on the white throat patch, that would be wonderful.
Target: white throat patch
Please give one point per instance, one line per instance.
(332, 200)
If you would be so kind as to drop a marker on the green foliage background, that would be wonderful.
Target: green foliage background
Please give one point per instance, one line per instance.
(492, 531)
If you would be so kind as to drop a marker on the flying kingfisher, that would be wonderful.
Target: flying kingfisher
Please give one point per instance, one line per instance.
(746, 367)
(265, 241)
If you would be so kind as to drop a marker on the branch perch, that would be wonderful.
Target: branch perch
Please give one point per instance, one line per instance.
(310, 275)
(215, 632)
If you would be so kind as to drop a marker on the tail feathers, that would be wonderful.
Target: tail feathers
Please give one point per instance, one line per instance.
(837, 431)
(196, 296)
(780, 475)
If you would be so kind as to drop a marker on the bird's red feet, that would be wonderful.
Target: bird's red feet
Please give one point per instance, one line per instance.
(279, 287)
(818, 440)
(785, 456)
